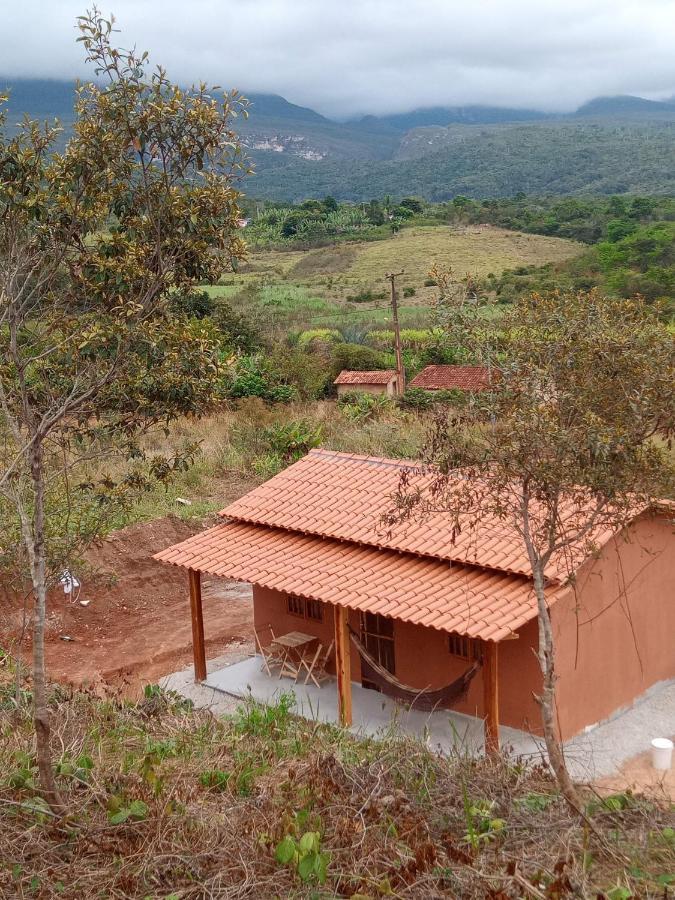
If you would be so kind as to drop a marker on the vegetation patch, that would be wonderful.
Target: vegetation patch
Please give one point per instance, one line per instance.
(163, 801)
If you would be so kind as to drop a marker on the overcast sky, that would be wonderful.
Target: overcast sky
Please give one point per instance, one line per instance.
(347, 57)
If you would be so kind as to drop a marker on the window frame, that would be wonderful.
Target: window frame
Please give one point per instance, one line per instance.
(306, 609)
(464, 647)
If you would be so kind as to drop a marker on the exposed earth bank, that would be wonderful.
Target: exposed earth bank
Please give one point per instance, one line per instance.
(136, 624)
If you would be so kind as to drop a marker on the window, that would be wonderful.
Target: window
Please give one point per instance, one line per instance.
(463, 646)
(305, 609)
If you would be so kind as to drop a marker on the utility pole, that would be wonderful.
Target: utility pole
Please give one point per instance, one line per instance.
(400, 371)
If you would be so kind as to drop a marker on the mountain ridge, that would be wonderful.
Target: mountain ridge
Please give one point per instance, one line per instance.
(609, 144)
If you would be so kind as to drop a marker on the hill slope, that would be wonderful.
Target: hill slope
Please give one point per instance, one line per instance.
(610, 145)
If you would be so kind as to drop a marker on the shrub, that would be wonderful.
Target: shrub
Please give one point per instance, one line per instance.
(314, 336)
(236, 330)
(366, 295)
(356, 356)
(254, 377)
(409, 292)
(291, 440)
(416, 398)
(365, 407)
(306, 373)
(193, 304)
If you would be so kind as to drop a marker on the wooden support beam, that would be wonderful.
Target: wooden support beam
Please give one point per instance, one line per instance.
(491, 696)
(198, 649)
(343, 666)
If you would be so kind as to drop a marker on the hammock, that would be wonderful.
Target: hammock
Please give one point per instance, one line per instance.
(420, 698)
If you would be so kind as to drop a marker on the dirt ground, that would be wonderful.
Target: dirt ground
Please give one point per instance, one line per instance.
(638, 775)
(136, 625)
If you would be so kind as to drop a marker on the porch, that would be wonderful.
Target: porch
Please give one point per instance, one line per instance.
(596, 753)
(373, 713)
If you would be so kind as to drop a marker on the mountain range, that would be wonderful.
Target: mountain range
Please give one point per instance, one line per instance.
(609, 145)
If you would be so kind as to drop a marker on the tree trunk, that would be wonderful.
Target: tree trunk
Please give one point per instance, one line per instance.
(546, 699)
(41, 717)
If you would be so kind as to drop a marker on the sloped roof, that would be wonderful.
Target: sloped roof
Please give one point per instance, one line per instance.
(424, 591)
(448, 378)
(344, 496)
(376, 376)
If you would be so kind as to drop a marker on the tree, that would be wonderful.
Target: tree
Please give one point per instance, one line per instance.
(94, 241)
(566, 444)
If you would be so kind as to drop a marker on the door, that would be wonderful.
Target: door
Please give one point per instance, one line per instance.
(377, 635)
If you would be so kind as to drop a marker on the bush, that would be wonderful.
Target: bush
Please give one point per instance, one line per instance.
(236, 330)
(358, 357)
(254, 377)
(365, 407)
(193, 304)
(292, 440)
(409, 291)
(366, 295)
(305, 372)
(416, 398)
(314, 336)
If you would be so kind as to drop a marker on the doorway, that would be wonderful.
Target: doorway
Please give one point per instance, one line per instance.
(377, 635)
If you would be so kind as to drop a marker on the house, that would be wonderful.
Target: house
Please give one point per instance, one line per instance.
(452, 378)
(378, 381)
(432, 606)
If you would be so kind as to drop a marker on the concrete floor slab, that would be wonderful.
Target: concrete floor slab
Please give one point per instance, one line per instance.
(599, 752)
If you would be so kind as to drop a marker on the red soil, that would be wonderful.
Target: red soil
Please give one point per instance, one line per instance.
(136, 626)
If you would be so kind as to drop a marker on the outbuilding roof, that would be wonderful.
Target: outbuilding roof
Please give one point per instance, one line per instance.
(449, 378)
(376, 376)
(463, 599)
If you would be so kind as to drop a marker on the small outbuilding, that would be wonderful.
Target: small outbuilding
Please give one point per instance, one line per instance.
(433, 614)
(452, 378)
(376, 381)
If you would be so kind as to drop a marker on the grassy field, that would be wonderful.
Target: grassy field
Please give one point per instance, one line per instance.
(310, 288)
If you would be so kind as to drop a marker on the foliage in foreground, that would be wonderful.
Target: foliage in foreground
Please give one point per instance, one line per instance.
(166, 802)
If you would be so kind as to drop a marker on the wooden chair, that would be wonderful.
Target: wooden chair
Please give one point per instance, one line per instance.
(316, 665)
(271, 657)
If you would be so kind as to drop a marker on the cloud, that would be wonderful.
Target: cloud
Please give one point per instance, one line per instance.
(348, 57)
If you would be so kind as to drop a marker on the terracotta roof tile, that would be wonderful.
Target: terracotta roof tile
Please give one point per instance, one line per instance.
(376, 376)
(448, 378)
(415, 589)
(344, 496)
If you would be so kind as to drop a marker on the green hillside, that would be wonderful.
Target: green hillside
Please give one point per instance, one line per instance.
(497, 162)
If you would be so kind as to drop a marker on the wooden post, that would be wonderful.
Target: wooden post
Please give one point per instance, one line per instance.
(400, 371)
(343, 666)
(198, 649)
(491, 696)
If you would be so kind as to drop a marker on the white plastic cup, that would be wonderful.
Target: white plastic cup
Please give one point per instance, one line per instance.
(662, 753)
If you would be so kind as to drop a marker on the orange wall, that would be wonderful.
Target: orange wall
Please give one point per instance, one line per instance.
(597, 631)
(616, 637)
(423, 659)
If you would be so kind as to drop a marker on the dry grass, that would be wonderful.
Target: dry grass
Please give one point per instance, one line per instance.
(324, 279)
(234, 449)
(212, 799)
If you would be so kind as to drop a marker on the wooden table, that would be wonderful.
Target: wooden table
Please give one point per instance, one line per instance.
(293, 644)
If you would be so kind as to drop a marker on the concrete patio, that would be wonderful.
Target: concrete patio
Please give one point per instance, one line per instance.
(374, 714)
(596, 753)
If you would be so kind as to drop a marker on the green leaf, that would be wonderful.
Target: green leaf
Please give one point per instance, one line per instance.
(307, 866)
(285, 850)
(119, 817)
(309, 842)
(620, 893)
(138, 809)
